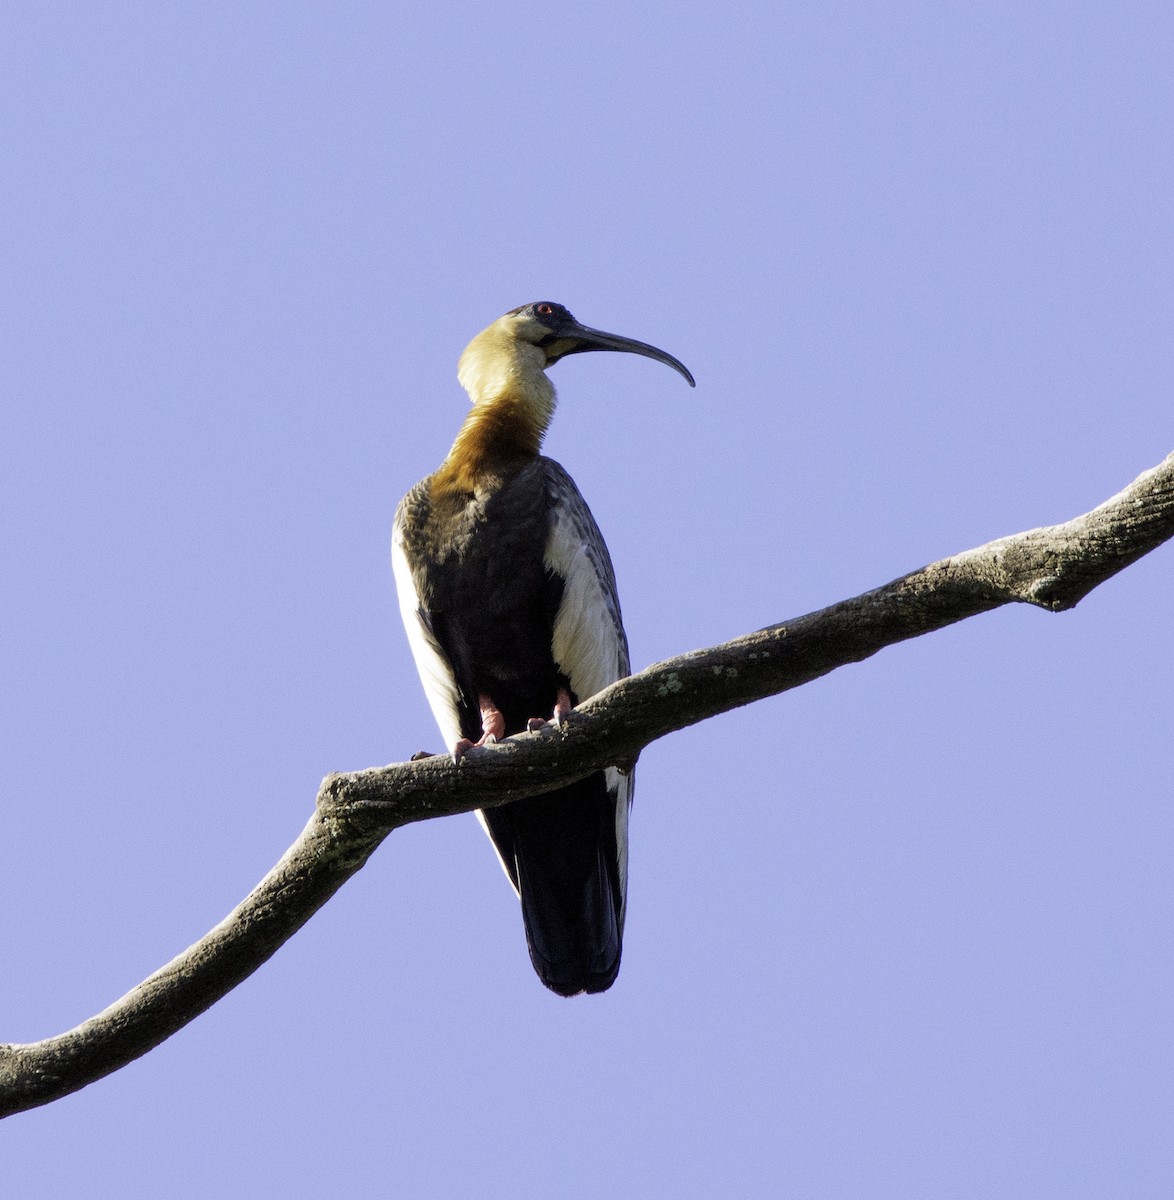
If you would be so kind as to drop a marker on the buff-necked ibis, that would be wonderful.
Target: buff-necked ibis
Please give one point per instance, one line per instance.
(509, 600)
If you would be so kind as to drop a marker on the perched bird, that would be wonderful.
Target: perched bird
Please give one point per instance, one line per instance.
(509, 600)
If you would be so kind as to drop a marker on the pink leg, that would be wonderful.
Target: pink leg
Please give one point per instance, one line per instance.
(562, 708)
(492, 728)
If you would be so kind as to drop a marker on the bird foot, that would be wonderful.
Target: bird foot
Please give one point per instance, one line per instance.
(464, 745)
(492, 725)
(562, 710)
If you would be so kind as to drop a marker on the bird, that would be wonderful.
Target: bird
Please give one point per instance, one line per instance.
(508, 597)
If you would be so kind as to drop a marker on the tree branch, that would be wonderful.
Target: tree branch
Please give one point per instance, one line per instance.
(1052, 567)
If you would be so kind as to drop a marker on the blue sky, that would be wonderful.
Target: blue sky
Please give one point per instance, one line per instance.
(905, 932)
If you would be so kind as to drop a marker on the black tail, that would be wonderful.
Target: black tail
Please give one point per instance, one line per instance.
(560, 850)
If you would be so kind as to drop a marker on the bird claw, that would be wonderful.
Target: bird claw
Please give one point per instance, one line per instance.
(492, 725)
(562, 710)
(538, 724)
(464, 745)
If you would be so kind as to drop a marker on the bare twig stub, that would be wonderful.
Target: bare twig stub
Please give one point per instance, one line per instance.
(1052, 568)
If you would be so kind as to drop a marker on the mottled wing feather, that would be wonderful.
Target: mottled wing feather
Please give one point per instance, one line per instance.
(590, 646)
(433, 666)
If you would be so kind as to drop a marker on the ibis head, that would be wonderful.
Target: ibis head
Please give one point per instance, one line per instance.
(533, 337)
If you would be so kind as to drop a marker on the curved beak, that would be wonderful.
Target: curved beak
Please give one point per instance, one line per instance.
(578, 339)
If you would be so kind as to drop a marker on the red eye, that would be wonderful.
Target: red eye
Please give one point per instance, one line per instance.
(545, 309)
